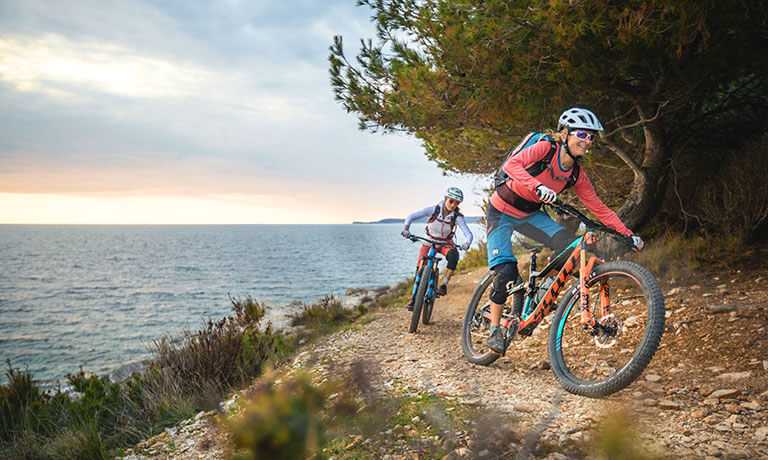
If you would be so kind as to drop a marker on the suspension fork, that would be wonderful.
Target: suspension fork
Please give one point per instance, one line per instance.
(584, 269)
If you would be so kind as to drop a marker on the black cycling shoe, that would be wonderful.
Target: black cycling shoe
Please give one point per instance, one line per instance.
(496, 342)
(409, 307)
(442, 290)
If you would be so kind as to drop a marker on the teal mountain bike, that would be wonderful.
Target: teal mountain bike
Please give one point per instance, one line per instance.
(425, 283)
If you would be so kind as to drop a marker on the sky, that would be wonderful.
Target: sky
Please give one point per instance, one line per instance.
(195, 112)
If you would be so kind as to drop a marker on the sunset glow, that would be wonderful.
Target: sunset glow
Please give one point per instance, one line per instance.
(151, 113)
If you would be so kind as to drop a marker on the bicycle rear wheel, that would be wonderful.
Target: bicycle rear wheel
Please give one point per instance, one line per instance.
(477, 323)
(599, 364)
(429, 299)
(418, 301)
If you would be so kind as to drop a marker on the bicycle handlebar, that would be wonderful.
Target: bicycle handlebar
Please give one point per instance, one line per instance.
(565, 208)
(415, 238)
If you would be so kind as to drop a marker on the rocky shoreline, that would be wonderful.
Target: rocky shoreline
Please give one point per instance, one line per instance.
(279, 316)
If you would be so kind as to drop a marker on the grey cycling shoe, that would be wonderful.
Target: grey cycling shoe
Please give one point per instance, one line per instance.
(496, 341)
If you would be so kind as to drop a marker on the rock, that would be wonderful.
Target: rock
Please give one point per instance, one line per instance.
(354, 442)
(650, 402)
(555, 456)
(725, 393)
(706, 390)
(761, 433)
(653, 377)
(734, 376)
(751, 405)
(157, 446)
(523, 408)
(669, 405)
(700, 413)
(124, 372)
(733, 408)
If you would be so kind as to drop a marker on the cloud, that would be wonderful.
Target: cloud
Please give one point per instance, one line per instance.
(194, 99)
(60, 68)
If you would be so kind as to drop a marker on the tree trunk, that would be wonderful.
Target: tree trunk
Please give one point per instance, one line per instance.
(650, 183)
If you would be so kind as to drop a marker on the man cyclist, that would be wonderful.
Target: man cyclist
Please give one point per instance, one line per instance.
(441, 226)
(515, 205)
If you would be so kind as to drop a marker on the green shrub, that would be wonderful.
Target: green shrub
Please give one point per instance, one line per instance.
(188, 374)
(282, 423)
(474, 258)
(325, 315)
(618, 438)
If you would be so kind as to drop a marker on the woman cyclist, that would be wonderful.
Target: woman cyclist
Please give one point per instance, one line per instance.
(515, 205)
(441, 226)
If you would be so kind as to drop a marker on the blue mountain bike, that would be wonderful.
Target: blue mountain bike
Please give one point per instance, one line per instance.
(425, 283)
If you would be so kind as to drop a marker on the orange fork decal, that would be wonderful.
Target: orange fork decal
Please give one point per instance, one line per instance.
(586, 318)
(605, 298)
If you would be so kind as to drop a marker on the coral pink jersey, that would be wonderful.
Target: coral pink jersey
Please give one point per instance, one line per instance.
(555, 178)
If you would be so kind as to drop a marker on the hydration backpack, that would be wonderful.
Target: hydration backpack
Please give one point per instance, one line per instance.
(436, 212)
(537, 168)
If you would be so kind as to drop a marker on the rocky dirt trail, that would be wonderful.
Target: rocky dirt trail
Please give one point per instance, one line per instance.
(704, 395)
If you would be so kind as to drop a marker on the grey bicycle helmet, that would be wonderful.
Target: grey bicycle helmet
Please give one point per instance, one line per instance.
(578, 118)
(455, 193)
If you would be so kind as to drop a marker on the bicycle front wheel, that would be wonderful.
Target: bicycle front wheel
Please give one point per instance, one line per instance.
(418, 301)
(477, 322)
(599, 362)
(429, 299)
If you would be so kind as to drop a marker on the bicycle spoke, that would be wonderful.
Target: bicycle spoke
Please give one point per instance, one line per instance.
(596, 357)
(477, 324)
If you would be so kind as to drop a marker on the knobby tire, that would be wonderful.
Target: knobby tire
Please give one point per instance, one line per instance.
(429, 303)
(418, 301)
(596, 372)
(475, 330)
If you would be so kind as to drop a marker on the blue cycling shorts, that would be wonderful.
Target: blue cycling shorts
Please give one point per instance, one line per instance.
(501, 226)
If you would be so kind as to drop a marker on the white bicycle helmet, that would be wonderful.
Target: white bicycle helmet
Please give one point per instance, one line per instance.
(455, 193)
(578, 118)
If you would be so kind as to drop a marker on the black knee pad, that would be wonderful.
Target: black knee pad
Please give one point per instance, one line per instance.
(506, 273)
(452, 258)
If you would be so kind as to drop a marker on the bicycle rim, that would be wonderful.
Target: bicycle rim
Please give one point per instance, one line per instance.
(599, 365)
(476, 328)
(429, 300)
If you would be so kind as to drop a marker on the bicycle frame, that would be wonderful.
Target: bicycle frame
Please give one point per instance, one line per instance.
(532, 318)
(432, 260)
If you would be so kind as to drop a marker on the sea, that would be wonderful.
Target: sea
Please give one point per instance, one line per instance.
(95, 297)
